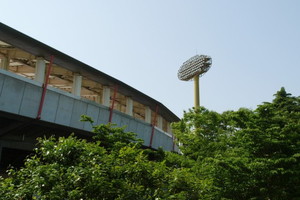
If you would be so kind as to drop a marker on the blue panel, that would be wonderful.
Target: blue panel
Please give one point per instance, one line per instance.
(31, 101)
(50, 106)
(103, 116)
(144, 133)
(22, 96)
(64, 110)
(157, 139)
(160, 139)
(133, 125)
(124, 122)
(116, 119)
(11, 95)
(93, 112)
(2, 77)
(79, 108)
(168, 144)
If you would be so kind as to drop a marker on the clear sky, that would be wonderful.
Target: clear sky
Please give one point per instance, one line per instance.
(254, 44)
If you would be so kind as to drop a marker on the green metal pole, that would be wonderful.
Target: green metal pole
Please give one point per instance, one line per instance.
(196, 91)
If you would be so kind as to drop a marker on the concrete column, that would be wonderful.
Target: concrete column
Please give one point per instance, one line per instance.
(106, 96)
(4, 63)
(77, 82)
(129, 106)
(159, 122)
(148, 115)
(98, 99)
(169, 129)
(40, 69)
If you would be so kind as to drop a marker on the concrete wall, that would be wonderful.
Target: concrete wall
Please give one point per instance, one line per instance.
(19, 95)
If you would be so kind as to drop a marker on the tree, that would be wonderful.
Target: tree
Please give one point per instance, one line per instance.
(247, 154)
(114, 166)
(243, 154)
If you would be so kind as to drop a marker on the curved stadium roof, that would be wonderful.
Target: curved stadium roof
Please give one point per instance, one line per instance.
(39, 49)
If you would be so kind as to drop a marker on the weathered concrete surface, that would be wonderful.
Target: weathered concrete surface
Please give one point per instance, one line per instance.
(21, 96)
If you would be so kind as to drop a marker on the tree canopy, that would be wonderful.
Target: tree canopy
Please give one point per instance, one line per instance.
(248, 154)
(243, 154)
(113, 166)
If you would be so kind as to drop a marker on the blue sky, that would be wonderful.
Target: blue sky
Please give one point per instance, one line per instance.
(254, 44)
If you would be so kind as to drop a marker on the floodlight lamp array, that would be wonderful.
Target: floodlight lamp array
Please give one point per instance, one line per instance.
(195, 66)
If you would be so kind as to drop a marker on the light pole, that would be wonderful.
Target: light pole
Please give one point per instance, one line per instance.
(193, 69)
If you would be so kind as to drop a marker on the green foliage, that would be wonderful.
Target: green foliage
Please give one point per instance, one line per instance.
(247, 154)
(112, 136)
(111, 167)
(244, 154)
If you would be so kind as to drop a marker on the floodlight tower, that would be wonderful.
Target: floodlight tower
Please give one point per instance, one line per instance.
(194, 68)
